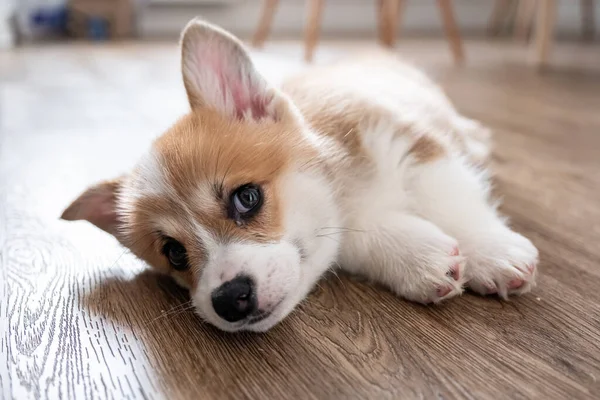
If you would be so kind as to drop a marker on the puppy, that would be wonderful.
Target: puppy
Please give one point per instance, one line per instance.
(249, 198)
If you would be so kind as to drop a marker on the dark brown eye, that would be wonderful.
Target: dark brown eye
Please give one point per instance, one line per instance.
(246, 201)
(176, 254)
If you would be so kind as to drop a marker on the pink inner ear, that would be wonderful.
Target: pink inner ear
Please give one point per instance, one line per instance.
(244, 101)
(236, 82)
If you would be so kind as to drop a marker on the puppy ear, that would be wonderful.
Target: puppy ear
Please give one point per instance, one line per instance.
(218, 74)
(97, 205)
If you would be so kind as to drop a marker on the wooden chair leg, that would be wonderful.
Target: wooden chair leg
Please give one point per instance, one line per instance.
(389, 17)
(313, 25)
(524, 19)
(588, 21)
(264, 25)
(498, 16)
(451, 28)
(383, 30)
(544, 30)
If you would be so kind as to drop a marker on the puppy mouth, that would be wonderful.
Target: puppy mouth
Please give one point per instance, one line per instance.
(257, 317)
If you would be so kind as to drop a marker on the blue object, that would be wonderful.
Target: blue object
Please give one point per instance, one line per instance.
(52, 19)
(97, 28)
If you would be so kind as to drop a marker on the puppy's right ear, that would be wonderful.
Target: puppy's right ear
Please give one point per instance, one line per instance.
(97, 205)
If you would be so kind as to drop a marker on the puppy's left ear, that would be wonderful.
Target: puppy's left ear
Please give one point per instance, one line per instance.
(218, 74)
(97, 205)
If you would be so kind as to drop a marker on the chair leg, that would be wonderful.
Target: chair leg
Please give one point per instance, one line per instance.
(383, 23)
(546, 18)
(524, 19)
(588, 22)
(313, 25)
(451, 28)
(389, 16)
(264, 25)
(498, 16)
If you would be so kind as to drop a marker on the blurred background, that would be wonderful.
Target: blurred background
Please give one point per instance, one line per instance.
(25, 21)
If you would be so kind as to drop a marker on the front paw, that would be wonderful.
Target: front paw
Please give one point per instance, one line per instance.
(439, 275)
(504, 263)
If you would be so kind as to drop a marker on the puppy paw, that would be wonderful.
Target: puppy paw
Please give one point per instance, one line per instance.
(438, 274)
(452, 283)
(504, 264)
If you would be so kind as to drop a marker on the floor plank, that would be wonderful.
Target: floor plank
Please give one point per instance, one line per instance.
(81, 318)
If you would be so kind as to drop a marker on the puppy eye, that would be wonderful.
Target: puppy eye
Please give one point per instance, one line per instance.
(176, 254)
(246, 200)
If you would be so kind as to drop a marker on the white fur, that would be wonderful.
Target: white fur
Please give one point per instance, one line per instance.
(406, 221)
(204, 236)
(404, 217)
(284, 271)
(423, 228)
(274, 267)
(146, 180)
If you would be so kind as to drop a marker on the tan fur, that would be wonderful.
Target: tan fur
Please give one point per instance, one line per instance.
(206, 149)
(329, 115)
(146, 242)
(205, 157)
(334, 107)
(426, 149)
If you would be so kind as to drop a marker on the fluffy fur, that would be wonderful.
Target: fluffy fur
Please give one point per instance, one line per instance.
(363, 164)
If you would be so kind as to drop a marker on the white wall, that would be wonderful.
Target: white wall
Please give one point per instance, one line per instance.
(6, 34)
(341, 17)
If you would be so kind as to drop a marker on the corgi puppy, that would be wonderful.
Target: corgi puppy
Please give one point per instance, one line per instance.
(254, 194)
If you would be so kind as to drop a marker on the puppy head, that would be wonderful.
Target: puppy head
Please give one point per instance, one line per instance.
(228, 201)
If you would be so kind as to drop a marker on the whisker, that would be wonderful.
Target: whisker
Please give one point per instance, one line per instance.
(171, 313)
(343, 228)
(182, 305)
(179, 310)
(340, 231)
(338, 277)
(327, 237)
(330, 234)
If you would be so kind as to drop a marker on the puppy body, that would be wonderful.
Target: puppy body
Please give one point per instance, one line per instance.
(364, 164)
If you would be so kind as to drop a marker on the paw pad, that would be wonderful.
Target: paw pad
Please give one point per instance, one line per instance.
(491, 289)
(454, 272)
(515, 283)
(443, 291)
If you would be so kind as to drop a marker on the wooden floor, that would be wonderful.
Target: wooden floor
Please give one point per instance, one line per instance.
(80, 318)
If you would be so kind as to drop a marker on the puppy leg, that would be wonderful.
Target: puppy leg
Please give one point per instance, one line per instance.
(454, 196)
(411, 256)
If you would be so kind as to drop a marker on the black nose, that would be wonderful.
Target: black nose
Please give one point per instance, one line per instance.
(235, 300)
